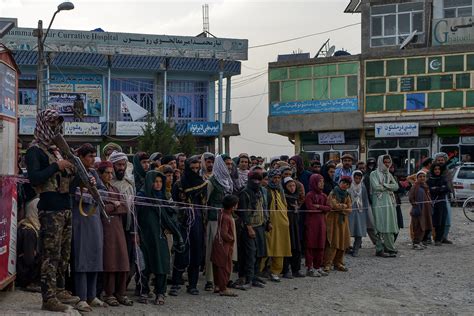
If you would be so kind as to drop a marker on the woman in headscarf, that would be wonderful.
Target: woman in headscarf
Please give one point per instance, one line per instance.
(383, 185)
(219, 185)
(28, 257)
(291, 196)
(278, 239)
(337, 226)
(328, 171)
(360, 211)
(421, 211)
(153, 221)
(115, 257)
(315, 226)
(191, 189)
(141, 164)
(439, 190)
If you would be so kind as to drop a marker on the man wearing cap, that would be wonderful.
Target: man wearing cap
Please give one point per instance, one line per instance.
(126, 187)
(51, 176)
(346, 169)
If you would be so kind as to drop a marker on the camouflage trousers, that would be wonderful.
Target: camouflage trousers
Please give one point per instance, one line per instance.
(55, 246)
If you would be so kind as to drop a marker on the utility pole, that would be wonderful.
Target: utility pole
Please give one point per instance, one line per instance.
(39, 74)
(219, 106)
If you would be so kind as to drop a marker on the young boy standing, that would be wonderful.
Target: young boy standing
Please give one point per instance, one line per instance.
(223, 246)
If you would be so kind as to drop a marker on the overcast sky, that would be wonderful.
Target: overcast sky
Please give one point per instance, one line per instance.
(258, 21)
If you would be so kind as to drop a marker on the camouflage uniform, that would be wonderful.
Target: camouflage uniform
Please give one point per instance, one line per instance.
(55, 245)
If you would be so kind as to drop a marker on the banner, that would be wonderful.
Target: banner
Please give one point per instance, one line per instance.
(8, 222)
(314, 106)
(7, 90)
(453, 31)
(204, 128)
(129, 128)
(63, 102)
(82, 129)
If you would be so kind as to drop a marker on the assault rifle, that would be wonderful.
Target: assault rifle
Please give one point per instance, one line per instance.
(61, 143)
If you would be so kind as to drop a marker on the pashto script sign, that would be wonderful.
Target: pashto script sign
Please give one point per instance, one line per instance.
(314, 106)
(204, 128)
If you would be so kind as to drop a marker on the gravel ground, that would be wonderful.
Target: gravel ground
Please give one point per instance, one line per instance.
(437, 280)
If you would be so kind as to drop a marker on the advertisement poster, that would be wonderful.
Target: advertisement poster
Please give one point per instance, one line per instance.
(7, 227)
(7, 90)
(63, 102)
(88, 85)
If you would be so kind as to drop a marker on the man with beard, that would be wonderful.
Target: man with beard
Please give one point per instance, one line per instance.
(251, 226)
(243, 169)
(191, 189)
(219, 185)
(346, 169)
(207, 164)
(127, 190)
(442, 159)
(51, 176)
(253, 161)
(181, 161)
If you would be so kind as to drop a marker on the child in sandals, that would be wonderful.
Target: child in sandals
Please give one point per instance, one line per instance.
(223, 246)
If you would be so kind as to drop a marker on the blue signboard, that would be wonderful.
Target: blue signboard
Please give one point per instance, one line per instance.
(415, 101)
(204, 128)
(314, 106)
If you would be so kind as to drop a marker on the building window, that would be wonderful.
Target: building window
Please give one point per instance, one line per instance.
(138, 90)
(390, 24)
(457, 8)
(187, 100)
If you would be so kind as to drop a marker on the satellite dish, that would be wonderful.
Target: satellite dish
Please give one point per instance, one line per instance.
(408, 39)
(331, 51)
(321, 49)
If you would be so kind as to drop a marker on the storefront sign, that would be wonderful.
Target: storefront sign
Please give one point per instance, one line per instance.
(331, 138)
(82, 129)
(89, 86)
(396, 130)
(7, 90)
(27, 125)
(453, 31)
(314, 106)
(25, 110)
(129, 128)
(109, 43)
(64, 102)
(204, 128)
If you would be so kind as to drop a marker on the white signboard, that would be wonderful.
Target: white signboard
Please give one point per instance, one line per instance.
(453, 31)
(396, 130)
(82, 129)
(331, 138)
(25, 110)
(129, 128)
(110, 43)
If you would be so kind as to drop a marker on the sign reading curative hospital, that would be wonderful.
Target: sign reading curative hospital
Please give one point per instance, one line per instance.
(110, 43)
(314, 106)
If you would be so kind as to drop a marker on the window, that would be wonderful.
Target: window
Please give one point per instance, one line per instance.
(382, 143)
(466, 173)
(457, 8)
(140, 91)
(274, 92)
(390, 24)
(187, 100)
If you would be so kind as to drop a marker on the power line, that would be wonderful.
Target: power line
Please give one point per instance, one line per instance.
(261, 143)
(304, 36)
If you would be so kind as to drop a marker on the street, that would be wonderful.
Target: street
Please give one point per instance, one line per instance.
(437, 280)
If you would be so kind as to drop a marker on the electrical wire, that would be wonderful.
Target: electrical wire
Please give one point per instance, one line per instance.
(304, 36)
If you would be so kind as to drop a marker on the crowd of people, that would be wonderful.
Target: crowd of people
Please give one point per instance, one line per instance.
(210, 214)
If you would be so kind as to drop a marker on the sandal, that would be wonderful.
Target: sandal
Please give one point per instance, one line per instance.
(193, 291)
(97, 303)
(124, 300)
(228, 293)
(82, 306)
(111, 301)
(159, 300)
(209, 287)
(341, 268)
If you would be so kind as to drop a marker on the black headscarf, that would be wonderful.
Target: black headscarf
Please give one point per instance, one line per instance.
(190, 178)
(329, 183)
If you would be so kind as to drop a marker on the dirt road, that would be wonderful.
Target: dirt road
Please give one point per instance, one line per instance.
(438, 280)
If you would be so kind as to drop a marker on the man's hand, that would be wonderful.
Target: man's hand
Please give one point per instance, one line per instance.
(269, 227)
(251, 232)
(116, 203)
(63, 164)
(92, 181)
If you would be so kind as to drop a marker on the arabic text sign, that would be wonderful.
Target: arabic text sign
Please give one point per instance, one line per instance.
(396, 130)
(82, 129)
(331, 138)
(7, 90)
(110, 43)
(314, 106)
(453, 31)
(204, 128)
(129, 128)
(63, 102)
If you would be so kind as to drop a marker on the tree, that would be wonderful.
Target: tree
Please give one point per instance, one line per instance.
(158, 136)
(187, 144)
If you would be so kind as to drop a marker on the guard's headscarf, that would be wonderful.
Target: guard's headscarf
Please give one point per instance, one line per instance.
(44, 131)
(222, 175)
